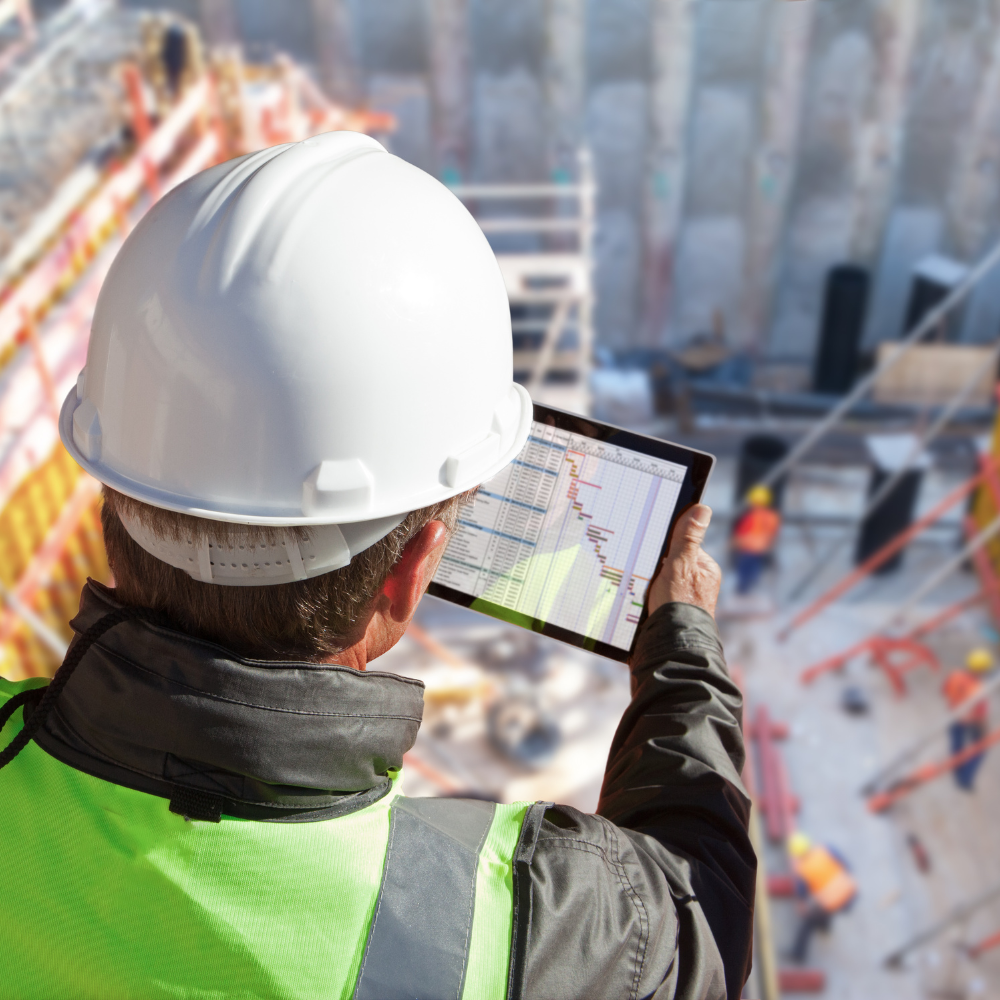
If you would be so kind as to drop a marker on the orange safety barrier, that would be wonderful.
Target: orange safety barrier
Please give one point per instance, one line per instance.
(802, 980)
(776, 800)
(781, 886)
(897, 657)
(885, 553)
(50, 542)
(881, 801)
(838, 662)
(61, 266)
(880, 646)
(50, 536)
(987, 944)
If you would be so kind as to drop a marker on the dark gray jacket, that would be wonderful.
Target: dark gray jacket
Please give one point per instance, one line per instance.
(664, 873)
(652, 897)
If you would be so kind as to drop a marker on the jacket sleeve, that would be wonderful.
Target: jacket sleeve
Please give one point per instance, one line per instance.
(673, 783)
(653, 896)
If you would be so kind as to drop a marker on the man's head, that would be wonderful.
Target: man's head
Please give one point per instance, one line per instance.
(373, 597)
(299, 360)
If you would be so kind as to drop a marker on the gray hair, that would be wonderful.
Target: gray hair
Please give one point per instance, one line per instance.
(307, 620)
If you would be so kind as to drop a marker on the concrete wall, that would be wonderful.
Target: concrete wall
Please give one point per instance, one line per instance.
(839, 77)
(617, 66)
(743, 147)
(709, 278)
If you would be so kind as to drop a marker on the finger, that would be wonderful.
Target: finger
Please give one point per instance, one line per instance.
(690, 531)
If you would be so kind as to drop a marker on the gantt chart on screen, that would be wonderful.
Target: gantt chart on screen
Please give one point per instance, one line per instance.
(569, 533)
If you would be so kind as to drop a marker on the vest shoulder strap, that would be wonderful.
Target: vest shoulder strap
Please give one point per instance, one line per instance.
(418, 942)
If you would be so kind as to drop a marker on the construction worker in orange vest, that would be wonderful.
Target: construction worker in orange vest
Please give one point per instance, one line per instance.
(826, 884)
(754, 537)
(959, 686)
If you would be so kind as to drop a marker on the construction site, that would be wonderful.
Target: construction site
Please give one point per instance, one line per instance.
(766, 229)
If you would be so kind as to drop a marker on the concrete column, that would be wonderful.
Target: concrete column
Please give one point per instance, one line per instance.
(879, 149)
(219, 21)
(972, 192)
(973, 196)
(672, 41)
(450, 86)
(779, 116)
(564, 83)
(336, 51)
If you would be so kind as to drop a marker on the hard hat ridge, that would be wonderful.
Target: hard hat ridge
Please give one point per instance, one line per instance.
(317, 334)
(254, 222)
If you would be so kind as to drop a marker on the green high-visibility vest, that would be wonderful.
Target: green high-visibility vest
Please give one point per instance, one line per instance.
(108, 894)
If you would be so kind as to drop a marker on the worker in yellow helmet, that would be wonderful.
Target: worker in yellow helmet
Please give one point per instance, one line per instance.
(970, 727)
(754, 537)
(825, 885)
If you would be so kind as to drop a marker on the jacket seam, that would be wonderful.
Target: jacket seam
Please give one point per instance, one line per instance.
(618, 868)
(100, 756)
(527, 843)
(641, 910)
(686, 648)
(249, 704)
(171, 634)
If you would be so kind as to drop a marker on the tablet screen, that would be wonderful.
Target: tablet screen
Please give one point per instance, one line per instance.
(568, 535)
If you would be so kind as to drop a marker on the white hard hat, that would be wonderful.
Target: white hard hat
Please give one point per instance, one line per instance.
(314, 334)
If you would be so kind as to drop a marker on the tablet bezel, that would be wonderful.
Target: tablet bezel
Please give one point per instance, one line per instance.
(699, 465)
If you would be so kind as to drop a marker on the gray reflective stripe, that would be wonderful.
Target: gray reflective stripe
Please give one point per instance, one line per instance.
(419, 939)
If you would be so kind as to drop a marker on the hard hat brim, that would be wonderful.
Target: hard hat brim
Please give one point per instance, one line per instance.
(248, 515)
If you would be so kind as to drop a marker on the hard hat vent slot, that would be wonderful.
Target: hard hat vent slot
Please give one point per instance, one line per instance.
(467, 466)
(336, 487)
(87, 430)
(507, 416)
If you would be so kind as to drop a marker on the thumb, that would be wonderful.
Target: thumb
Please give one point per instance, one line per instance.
(690, 531)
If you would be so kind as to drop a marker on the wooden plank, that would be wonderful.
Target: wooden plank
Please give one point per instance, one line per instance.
(931, 374)
(516, 192)
(537, 225)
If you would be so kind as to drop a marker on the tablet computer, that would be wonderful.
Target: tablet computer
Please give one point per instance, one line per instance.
(565, 540)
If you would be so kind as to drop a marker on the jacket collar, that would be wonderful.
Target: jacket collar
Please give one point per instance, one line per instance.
(156, 710)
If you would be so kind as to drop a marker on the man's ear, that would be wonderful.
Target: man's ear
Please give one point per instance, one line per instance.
(410, 577)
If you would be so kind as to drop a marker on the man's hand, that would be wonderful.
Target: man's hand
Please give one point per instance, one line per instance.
(688, 574)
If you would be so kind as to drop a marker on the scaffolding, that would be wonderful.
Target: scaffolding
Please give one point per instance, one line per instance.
(550, 287)
(94, 72)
